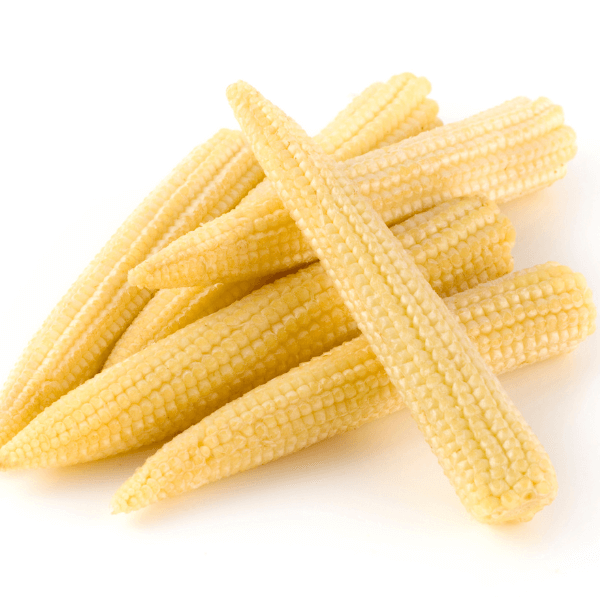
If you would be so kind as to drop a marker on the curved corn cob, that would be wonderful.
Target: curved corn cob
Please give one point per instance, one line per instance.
(173, 383)
(519, 319)
(79, 334)
(504, 153)
(172, 310)
(489, 258)
(497, 466)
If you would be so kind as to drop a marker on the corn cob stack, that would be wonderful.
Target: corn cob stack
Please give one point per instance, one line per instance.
(173, 383)
(79, 334)
(172, 309)
(522, 318)
(497, 466)
(505, 152)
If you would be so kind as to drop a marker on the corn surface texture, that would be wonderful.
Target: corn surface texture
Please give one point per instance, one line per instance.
(80, 333)
(517, 320)
(480, 249)
(175, 382)
(504, 153)
(484, 445)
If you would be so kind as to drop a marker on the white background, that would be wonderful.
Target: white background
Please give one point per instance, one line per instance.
(98, 101)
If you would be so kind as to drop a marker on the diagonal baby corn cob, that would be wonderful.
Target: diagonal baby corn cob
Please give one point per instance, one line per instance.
(519, 319)
(506, 152)
(79, 333)
(175, 382)
(171, 310)
(495, 463)
(77, 337)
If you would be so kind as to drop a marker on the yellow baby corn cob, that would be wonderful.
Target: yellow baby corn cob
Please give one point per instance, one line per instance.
(79, 334)
(505, 152)
(519, 319)
(495, 463)
(171, 310)
(173, 383)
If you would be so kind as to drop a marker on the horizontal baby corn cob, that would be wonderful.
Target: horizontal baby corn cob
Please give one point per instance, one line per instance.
(495, 463)
(171, 310)
(175, 382)
(519, 319)
(79, 334)
(506, 152)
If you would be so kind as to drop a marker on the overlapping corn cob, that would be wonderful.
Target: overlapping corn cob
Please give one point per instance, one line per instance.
(497, 466)
(506, 152)
(519, 319)
(175, 382)
(79, 334)
(171, 310)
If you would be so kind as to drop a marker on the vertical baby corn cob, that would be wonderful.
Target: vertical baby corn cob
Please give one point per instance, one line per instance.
(488, 258)
(497, 466)
(519, 319)
(79, 334)
(175, 382)
(506, 152)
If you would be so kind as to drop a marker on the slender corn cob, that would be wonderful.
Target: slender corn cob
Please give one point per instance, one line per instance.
(79, 334)
(497, 466)
(175, 382)
(519, 319)
(171, 310)
(509, 151)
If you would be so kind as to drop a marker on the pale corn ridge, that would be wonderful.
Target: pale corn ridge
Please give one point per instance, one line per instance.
(174, 382)
(484, 445)
(78, 336)
(80, 332)
(502, 155)
(519, 319)
(173, 309)
(457, 245)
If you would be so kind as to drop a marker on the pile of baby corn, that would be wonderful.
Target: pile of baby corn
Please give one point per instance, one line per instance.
(276, 290)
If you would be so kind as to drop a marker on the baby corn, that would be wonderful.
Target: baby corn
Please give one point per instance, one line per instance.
(78, 336)
(506, 152)
(175, 382)
(172, 310)
(489, 258)
(383, 114)
(519, 319)
(497, 466)
(80, 332)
